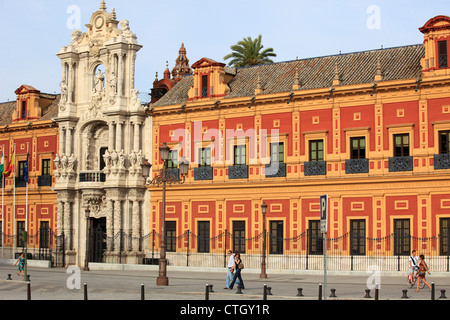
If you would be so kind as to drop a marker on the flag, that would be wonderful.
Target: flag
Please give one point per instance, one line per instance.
(2, 163)
(10, 167)
(25, 170)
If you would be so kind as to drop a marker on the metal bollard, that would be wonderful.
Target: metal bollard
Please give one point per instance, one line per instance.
(404, 294)
(333, 293)
(207, 292)
(239, 290)
(377, 291)
(265, 292)
(28, 291)
(9, 276)
(85, 291)
(442, 294)
(210, 288)
(367, 294)
(432, 291)
(299, 292)
(142, 292)
(320, 291)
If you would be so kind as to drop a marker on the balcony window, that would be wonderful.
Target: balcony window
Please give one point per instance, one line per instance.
(240, 169)
(442, 160)
(316, 165)
(401, 161)
(357, 162)
(443, 57)
(277, 167)
(204, 171)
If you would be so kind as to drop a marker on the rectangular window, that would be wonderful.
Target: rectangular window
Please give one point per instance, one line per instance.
(401, 145)
(277, 152)
(358, 237)
(171, 236)
(204, 86)
(172, 162)
(203, 236)
(402, 237)
(46, 167)
(444, 139)
(442, 51)
(239, 236)
(204, 157)
(21, 169)
(19, 230)
(44, 235)
(315, 238)
(276, 237)
(358, 148)
(445, 236)
(23, 111)
(316, 150)
(240, 155)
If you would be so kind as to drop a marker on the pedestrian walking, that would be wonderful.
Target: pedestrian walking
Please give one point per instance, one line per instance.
(413, 265)
(21, 262)
(230, 269)
(423, 269)
(238, 266)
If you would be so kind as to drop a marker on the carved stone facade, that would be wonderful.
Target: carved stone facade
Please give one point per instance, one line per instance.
(102, 128)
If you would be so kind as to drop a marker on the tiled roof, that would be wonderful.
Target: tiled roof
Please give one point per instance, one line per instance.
(353, 68)
(48, 110)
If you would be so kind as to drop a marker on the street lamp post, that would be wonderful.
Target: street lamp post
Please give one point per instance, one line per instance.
(86, 256)
(165, 178)
(263, 274)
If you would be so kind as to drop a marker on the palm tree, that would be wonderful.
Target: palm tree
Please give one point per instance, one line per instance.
(247, 52)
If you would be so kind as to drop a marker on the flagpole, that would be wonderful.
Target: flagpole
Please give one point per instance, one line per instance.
(14, 201)
(26, 196)
(3, 202)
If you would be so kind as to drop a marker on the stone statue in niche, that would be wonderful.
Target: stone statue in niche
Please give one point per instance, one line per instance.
(99, 83)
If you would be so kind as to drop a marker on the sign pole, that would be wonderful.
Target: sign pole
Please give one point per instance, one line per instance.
(324, 229)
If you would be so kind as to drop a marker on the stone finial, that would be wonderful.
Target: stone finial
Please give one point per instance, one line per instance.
(337, 77)
(296, 85)
(378, 74)
(103, 5)
(258, 89)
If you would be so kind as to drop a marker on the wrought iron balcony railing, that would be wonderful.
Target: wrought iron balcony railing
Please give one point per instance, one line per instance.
(399, 164)
(442, 161)
(356, 166)
(276, 169)
(203, 173)
(238, 172)
(315, 168)
(45, 181)
(92, 176)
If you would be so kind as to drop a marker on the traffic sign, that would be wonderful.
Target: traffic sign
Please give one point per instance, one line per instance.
(323, 213)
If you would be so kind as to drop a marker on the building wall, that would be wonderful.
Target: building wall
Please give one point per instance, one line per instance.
(378, 197)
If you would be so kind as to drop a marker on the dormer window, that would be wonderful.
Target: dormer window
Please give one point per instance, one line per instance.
(442, 52)
(204, 86)
(23, 110)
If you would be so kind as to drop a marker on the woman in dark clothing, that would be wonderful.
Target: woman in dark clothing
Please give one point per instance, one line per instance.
(237, 274)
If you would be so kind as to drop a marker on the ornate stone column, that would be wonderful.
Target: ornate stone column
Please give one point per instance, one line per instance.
(110, 225)
(136, 231)
(68, 225)
(117, 225)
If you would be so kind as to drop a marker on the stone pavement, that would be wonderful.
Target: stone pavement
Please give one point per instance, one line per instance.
(189, 284)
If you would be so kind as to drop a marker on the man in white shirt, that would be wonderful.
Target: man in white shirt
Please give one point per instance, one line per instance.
(413, 264)
(230, 269)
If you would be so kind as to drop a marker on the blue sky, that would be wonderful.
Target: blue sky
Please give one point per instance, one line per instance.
(33, 31)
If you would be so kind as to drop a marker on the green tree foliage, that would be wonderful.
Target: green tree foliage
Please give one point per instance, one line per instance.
(249, 52)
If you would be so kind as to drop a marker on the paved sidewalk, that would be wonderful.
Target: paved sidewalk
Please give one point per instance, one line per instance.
(58, 284)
